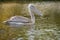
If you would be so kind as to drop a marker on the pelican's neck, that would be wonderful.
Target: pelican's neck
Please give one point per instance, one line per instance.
(32, 9)
(32, 15)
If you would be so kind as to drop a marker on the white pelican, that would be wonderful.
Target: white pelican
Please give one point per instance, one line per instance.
(20, 20)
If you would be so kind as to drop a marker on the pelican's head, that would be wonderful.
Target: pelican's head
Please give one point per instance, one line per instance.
(32, 8)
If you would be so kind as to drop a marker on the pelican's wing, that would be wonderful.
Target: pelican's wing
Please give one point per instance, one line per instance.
(19, 19)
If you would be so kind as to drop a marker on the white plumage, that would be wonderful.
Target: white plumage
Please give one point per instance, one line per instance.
(20, 20)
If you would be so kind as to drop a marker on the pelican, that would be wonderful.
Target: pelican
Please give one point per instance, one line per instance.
(20, 20)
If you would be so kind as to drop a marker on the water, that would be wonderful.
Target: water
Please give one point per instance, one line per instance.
(45, 28)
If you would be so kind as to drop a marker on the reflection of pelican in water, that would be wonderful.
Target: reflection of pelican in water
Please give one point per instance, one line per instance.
(20, 20)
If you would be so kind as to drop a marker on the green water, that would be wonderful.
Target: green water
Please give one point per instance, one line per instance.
(46, 28)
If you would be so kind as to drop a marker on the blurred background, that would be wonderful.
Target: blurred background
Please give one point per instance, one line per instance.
(46, 28)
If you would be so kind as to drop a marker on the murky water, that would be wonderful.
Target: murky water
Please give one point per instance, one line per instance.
(45, 28)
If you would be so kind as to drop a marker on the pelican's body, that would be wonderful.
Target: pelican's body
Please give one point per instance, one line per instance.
(20, 20)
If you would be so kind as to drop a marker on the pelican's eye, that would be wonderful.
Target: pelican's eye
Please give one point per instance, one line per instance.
(32, 6)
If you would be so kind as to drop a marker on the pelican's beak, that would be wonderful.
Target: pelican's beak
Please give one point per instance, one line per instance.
(35, 10)
(38, 12)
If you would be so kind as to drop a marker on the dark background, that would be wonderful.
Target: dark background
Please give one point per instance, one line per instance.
(25, 0)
